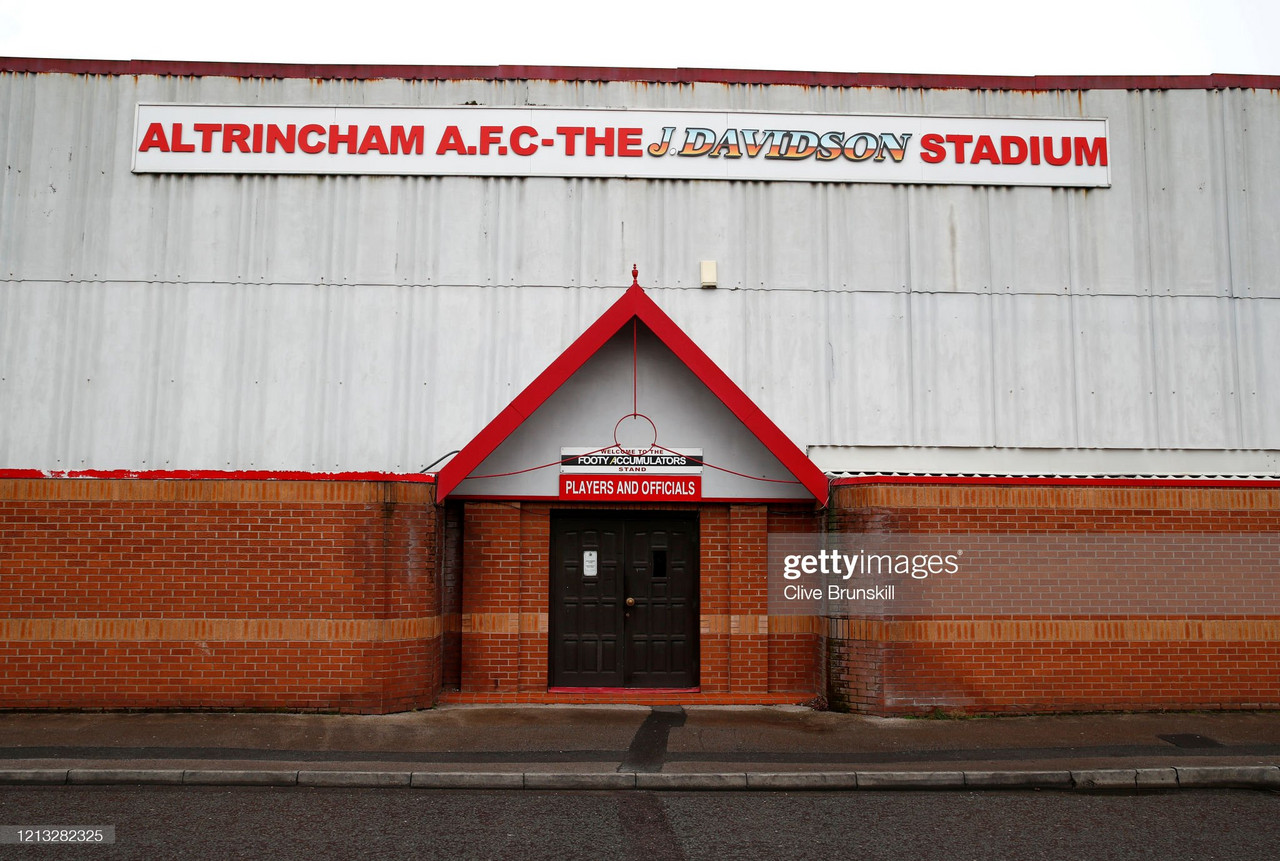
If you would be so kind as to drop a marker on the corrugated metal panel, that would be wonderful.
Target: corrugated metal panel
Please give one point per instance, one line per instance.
(375, 323)
(388, 377)
(1034, 346)
(1257, 326)
(1114, 373)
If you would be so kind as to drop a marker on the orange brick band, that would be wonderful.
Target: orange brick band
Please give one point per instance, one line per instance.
(168, 490)
(221, 630)
(1056, 630)
(536, 623)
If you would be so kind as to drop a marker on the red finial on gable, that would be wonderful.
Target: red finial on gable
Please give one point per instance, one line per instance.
(635, 276)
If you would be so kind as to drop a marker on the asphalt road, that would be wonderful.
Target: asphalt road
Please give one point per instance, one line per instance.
(155, 822)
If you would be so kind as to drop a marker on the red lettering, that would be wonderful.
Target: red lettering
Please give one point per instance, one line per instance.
(285, 140)
(518, 136)
(257, 137)
(451, 141)
(1013, 150)
(629, 143)
(602, 139)
(1035, 150)
(1095, 153)
(237, 135)
(570, 134)
(1057, 160)
(206, 131)
(958, 142)
(985, 150)
(373, 140)
(310, 146)
(351, 139)
(176, 143)
(154, 139)
(933, 150)
(407, 142)
(489, 136)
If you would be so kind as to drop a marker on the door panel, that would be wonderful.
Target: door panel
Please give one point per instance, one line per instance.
(586, 611)
(658, 632)
(597, 640)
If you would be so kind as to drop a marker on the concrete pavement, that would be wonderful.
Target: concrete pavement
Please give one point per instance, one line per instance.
(635, 747)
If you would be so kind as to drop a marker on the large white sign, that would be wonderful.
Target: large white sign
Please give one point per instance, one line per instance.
(532, 142)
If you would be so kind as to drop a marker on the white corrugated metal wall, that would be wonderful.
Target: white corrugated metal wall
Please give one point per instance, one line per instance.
(373, 323)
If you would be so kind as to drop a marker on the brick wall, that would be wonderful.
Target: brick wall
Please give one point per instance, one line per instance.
(218, 594)
(745, 655)
(1183, 615)
(130, 593)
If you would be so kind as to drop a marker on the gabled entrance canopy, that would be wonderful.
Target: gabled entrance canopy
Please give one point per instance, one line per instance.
(738, 441)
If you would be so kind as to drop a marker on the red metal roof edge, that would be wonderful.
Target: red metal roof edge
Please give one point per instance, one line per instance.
(590, 504)
(218, 475)
(1052, 481)
(684, 75)
(633, 303)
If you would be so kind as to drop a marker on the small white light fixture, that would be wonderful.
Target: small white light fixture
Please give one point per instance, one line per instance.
(708, 268)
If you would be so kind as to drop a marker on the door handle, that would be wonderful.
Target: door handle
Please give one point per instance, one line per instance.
(631, 602)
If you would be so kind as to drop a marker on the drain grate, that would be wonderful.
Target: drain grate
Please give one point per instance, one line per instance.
(1189, 739)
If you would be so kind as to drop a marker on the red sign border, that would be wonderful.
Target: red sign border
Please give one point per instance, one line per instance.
(629, 496)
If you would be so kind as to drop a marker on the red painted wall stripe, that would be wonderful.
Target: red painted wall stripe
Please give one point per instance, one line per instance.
(218, 475)
(1042, 481)
(647, 75)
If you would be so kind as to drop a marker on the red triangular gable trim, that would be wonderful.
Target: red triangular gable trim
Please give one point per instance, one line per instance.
(633, 303)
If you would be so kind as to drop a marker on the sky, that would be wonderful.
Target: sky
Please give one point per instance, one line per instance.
(1027, 37)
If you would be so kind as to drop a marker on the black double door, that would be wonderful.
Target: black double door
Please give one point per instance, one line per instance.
(624, 604)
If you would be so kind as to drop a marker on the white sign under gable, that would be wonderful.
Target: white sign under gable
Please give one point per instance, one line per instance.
(615, 460)
(669, 144)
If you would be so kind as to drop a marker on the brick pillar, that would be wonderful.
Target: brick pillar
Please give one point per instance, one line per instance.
(713, 597)
(796, 650)
(535, 595)
(748, 599)
(451, 597)
(407, 666)
(491, 598)
(855, 667)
